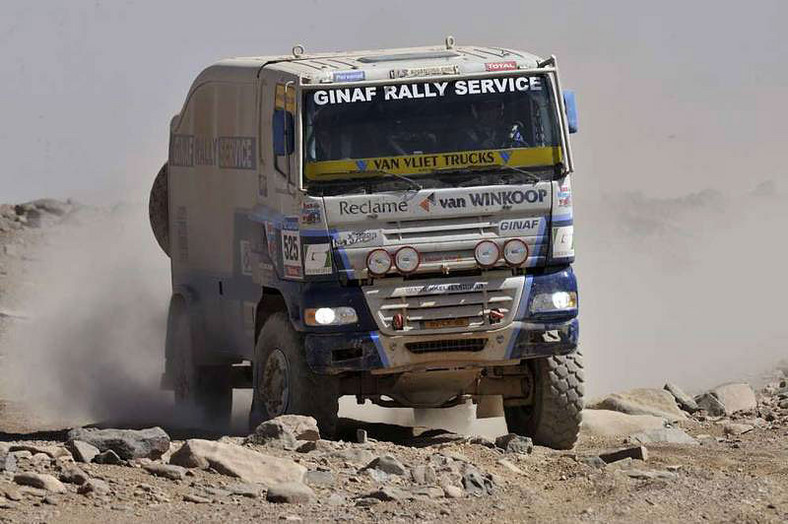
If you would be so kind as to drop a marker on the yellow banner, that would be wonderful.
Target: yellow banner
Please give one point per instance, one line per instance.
(426, 163)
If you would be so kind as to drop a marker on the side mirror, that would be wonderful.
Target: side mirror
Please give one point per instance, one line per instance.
(571, 110)
(282, 132)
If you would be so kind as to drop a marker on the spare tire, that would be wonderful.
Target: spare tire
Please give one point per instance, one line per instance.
(159, 211)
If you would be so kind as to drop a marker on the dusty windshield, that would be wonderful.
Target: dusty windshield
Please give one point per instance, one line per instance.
(429, 130)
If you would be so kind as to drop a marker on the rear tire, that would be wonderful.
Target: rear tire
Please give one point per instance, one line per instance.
(554, 418)
(284, 383)
(158, 209)
(202, 392)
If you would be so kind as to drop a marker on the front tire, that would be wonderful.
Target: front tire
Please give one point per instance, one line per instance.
(554, 418)
(284, 384)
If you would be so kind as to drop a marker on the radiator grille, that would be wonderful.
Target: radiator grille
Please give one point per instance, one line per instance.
(462, 344)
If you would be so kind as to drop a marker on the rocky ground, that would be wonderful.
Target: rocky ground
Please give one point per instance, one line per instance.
(644, 455)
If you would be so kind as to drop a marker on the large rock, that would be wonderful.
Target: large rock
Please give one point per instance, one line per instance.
(127, 443)
(642, 401)
(605, 423)
(728, 399)
(273, 433)
(667, 435)
(238, 461)
(82, 451)
(684, 401)
(304, 428)
(40, 481)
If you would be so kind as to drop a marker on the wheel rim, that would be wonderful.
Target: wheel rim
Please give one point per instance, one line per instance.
(276, 387)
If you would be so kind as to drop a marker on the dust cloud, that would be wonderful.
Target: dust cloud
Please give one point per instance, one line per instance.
(687, 289)
(96, 300)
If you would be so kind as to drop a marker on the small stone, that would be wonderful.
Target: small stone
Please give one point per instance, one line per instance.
(636, 453)
(8, 463)
(669, 435)
(388, 493)
(307, 446)
(477, 484)
(482, 441)
(336, 500)
(94, 487)
(12, 493)
(453, 492)
(319, 478)
(649, 475)
(431, 492)
(49, 499)
(361, 436)
(197, 499)
(248, 490)
(109, 457)
(682, 399)
(82, 451)
(73, 475)
(732, 428)
(290, 492)
(513, 443)
(593, 461)
(387, 464)
(423, 474)
(167, 471)
(49, 451)
(40, 481)
(128, 444)
(511, 467)
(366, 502)
(274, 432)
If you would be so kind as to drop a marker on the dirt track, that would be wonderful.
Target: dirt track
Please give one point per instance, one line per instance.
(724, 479)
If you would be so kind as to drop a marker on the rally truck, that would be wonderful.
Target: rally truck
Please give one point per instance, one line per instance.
(394, 225)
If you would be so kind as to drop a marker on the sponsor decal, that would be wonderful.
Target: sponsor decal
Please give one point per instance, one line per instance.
(463, 87)
(291, 253)
(270, 237)
(565, 195)
(181, 150)
(311, 213)
(371, 207)
(317, 260)
(354, 238)
(426, 163)
(509, 65)
(551, 335)
(348, 76)
(228, 152)
(516, 227)
(507, 198)
(246, 257)
(563, 245)
(428, 202)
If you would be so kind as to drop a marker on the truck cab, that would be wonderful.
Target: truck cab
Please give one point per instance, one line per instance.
(393, 224)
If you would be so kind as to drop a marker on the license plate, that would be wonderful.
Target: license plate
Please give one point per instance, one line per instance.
(446, 323)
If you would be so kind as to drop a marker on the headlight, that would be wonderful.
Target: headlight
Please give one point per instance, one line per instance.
(515, 252)
(406, 259)
(330, 316)
(378, 262)
(558, 301)
(486, 253)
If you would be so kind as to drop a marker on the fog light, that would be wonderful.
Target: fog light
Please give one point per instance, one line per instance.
(515, 252)
(407, 259)
(378, 262)
(330, 316)
(486, 253)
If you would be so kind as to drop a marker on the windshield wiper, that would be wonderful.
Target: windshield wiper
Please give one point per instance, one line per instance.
(533, 178)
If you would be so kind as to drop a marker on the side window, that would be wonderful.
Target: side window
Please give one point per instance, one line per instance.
(283, 127)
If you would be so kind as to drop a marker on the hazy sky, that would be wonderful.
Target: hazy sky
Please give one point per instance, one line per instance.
(670, 92)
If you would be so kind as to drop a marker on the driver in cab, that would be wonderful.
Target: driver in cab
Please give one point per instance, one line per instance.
(489, 130)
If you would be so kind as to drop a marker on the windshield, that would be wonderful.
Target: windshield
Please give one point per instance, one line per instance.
(429, 130)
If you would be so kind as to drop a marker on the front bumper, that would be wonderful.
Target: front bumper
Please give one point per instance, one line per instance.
(381, 354)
